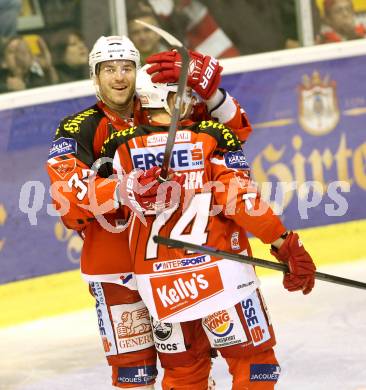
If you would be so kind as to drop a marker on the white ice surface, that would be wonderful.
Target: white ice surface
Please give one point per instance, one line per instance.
(321, 343)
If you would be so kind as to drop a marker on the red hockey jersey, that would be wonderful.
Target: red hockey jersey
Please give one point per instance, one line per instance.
(219, 205)
(76, 147)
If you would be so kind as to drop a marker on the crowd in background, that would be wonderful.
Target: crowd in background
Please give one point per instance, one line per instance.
(47, 42)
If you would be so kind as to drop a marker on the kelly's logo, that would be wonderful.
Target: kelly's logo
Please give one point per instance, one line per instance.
(176, 292)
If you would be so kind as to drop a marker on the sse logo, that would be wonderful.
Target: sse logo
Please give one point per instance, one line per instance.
(185, 157)
(219, 323)
(256, 322)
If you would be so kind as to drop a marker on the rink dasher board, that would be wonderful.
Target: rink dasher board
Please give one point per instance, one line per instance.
(29, 119)
(240, 64)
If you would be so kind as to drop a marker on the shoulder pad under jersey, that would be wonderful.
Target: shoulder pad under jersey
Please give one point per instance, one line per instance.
(81, 121)
(226, 138)
(116, 139)
(81, 127)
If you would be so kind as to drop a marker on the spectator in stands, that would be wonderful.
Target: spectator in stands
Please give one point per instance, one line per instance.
(290, 24)
(21, 69)
(145, 40)
(261, 25)
(226, 28)
(70, 56)
(9, 11)
(340, 22)
(253, 26)
(193, 23)
(3, 87)
(60, 14)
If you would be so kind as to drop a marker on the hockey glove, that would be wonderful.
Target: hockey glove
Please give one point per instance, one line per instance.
(300, 263)
(141, 191)
(204, 71)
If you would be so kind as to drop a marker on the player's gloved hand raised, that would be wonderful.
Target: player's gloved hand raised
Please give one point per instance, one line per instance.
(204, 71)
(301, 265)
(141, 191)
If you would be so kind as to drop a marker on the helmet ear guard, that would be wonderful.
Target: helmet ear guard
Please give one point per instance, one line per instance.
(155, 95)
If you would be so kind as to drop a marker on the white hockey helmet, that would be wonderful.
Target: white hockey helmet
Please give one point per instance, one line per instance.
(155, 95)
(110, 48)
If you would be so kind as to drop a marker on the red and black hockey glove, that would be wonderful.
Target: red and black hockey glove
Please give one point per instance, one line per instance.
(204, 71)
(141, 191)
(301, 265)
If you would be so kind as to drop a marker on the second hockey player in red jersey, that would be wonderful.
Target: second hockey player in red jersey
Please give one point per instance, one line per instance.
(198, 302)
(77, 145)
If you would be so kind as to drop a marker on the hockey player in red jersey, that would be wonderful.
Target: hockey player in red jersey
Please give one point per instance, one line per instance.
(198, 302)
(122, 317)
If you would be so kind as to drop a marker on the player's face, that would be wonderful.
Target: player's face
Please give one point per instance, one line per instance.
(187, 103)
(116, 81)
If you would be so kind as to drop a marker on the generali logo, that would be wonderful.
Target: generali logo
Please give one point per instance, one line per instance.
(161, 138)
(134, 323)
(174, 293)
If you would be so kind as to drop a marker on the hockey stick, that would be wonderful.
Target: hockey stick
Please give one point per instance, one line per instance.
(182, 82)
(253, 261)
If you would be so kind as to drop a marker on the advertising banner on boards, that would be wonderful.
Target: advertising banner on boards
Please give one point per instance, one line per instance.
(309, 138)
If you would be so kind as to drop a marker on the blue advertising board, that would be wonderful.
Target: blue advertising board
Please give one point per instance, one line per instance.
(309, 133)
(308, 146)
(45, 247)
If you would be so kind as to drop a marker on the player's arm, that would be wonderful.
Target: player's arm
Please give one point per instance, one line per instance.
(223, 108)
(242, 203)
(78, 193)
(204, 78)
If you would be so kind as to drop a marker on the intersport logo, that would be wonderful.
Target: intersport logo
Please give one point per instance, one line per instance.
(174, 293)
(180, 263)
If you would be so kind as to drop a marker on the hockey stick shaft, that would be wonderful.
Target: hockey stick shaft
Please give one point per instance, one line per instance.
(182, 82)
(176, 112)
(253, 261)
